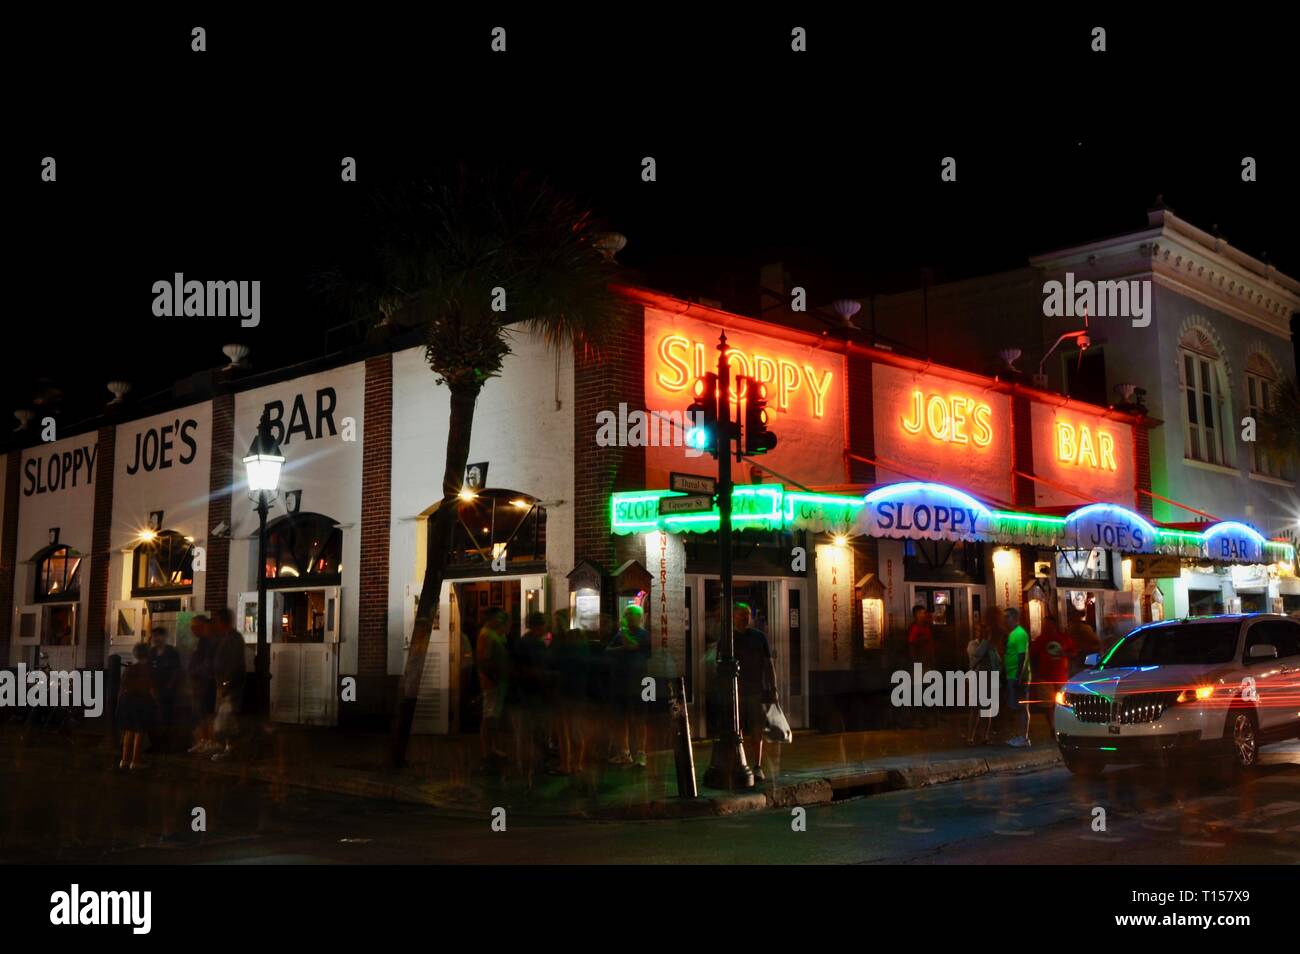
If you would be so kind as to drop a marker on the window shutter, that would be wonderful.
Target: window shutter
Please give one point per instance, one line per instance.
(246, 616)
(27, 630)
(128, 624)
(333, 610)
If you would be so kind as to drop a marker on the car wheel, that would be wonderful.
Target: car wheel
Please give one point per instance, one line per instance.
(1083, 768)
(1242, 736)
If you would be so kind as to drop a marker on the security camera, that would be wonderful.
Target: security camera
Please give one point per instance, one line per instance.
(220, 530)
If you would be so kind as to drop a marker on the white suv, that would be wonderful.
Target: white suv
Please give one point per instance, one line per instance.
(1221, 685)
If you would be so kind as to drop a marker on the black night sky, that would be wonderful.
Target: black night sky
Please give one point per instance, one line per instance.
(225, 165)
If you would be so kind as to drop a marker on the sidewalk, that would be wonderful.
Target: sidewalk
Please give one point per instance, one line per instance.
(445, 772)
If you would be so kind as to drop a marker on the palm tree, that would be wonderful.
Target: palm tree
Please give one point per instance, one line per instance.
(451, 250)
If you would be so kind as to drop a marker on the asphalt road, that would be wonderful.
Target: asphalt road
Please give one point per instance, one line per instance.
(61, 814)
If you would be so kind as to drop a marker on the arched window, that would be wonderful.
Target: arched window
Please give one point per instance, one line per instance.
(497, 522)
(1262, 380)
(1204, 385)
(304, 549)
(58, 574)
(163, 565)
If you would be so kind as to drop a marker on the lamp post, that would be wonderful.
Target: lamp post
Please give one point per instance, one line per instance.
(263, 468)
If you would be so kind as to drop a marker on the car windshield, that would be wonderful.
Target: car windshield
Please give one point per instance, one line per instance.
(1190, 644)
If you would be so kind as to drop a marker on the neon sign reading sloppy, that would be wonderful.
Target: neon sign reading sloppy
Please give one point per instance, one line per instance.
(782, 376)
(1075, 445)
(948, 418)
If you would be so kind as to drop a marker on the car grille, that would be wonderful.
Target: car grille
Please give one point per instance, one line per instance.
(1129, 710)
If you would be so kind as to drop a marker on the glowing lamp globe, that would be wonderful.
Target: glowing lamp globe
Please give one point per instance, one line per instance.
(263, 462)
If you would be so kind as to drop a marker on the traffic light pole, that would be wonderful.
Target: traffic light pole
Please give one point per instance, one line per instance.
(728, 768)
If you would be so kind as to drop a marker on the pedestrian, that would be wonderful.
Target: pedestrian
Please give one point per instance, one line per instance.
(530, 670)
(1085, 639)
(1016, 662)
(229, 669)
(757, 684)
(1050, 653)
(629, 652)
(137, 707)
(983, 659)
(920, 649)
(166, 664)
(492, 659)
(203, 686)
(571, 658)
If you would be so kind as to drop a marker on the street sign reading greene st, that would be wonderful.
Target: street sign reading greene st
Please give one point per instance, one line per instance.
(692, 484)
(695, 503)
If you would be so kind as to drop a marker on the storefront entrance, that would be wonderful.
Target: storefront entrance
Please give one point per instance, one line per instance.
(468, 603)
(303, 630)
(779, 609)
(955, 611)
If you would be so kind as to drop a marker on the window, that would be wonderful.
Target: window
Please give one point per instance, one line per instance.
(1285, 635)
(1261, 399)
(496, 523)
(163, 565)
(304, 549)
(58, 575)
(1200, 376)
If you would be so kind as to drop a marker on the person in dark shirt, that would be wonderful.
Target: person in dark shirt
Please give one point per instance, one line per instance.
(571, 658)
(530, 667)
(166, 664)
(757, 683)
(137, 707)
(228, 669)
(203, 687)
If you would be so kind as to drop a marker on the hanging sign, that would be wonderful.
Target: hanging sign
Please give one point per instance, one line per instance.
(1161, 567)
(1109, 526)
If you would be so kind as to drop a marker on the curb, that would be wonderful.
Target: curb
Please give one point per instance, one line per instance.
(809, 790)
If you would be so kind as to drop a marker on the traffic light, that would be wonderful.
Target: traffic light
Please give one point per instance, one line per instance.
(702, 416)
(758, 439)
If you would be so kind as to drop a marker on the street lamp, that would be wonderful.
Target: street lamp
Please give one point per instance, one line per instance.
(263, 468)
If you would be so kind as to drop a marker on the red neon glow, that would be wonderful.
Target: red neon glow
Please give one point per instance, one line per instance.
(1077, 445)
(956, 419)
(682, 361)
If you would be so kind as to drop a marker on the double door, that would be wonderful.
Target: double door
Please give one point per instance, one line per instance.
(779, 608)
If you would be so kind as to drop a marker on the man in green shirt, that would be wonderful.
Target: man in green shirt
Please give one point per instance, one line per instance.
(1017, 669)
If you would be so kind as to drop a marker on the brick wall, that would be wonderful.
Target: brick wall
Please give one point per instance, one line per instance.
(862, 427)
(1022, 452)
(1142, 470)
(101, 541)
(221, 479)
(9, 552)
(601, 381)
(376, 512)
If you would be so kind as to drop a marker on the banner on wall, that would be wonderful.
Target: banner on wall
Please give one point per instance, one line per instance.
(835, 606)
(665, 558)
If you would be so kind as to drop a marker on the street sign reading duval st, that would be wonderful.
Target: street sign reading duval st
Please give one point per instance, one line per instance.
(693, 503)
(692, 484)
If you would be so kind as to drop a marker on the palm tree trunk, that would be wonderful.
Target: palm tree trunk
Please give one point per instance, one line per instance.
(460, 424)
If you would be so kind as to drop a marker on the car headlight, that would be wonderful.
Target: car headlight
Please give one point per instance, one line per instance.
(1062, 699)
(1199, 694)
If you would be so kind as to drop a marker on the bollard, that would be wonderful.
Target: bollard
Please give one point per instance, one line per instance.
(683, 753)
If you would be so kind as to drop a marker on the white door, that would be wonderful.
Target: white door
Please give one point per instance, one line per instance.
(433, 704)
(286, 676)
(317, 683)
